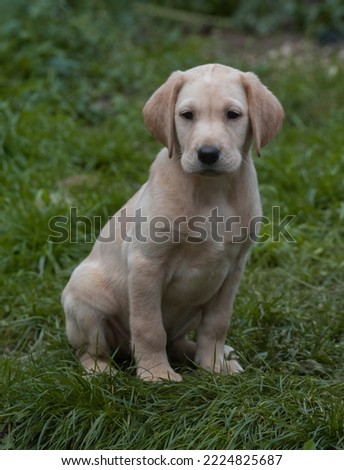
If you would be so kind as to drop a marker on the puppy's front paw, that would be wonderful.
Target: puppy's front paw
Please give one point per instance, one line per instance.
(93, 365)
(157, 374)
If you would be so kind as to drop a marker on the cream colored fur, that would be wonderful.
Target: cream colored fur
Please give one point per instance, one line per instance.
(144, 297)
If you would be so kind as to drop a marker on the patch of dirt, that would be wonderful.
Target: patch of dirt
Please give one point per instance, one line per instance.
(254, 48)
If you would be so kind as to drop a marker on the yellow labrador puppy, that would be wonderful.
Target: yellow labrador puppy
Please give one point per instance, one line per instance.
(170, 261)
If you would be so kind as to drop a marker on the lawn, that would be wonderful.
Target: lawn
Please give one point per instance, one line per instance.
(74, 77)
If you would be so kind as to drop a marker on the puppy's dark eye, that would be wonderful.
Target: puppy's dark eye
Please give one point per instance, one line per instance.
(187, 115)
(232, 115)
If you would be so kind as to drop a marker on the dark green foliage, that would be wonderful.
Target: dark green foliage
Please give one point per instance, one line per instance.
(324, 18)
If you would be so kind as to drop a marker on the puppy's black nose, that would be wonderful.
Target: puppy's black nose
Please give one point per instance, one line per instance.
(208, 154)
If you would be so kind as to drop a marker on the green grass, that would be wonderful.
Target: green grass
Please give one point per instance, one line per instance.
(73, 82)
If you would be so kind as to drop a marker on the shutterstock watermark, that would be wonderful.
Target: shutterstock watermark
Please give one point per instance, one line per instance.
(138, 227)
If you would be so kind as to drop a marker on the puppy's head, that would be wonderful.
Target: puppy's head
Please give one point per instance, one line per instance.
(209, 115)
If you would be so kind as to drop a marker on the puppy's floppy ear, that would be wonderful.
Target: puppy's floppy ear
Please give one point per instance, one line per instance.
(265, 111)
(158, 112)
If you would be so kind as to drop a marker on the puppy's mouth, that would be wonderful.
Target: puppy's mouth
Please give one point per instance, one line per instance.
(222, 165)
(209, 172)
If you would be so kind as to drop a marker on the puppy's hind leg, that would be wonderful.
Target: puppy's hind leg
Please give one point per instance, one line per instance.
(87, 333)
(182, 349)
(88, 325)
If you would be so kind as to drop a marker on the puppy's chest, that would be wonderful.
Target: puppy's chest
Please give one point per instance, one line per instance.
(198, 271)
(221, 226)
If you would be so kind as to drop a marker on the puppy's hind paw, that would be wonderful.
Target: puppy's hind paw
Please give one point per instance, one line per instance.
(231, 364)
(232, 367)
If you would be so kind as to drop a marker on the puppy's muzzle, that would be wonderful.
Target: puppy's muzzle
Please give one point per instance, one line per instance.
(208, 154)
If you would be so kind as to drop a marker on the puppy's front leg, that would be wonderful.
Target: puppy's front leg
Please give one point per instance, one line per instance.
(148, 335)
(211, 335)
